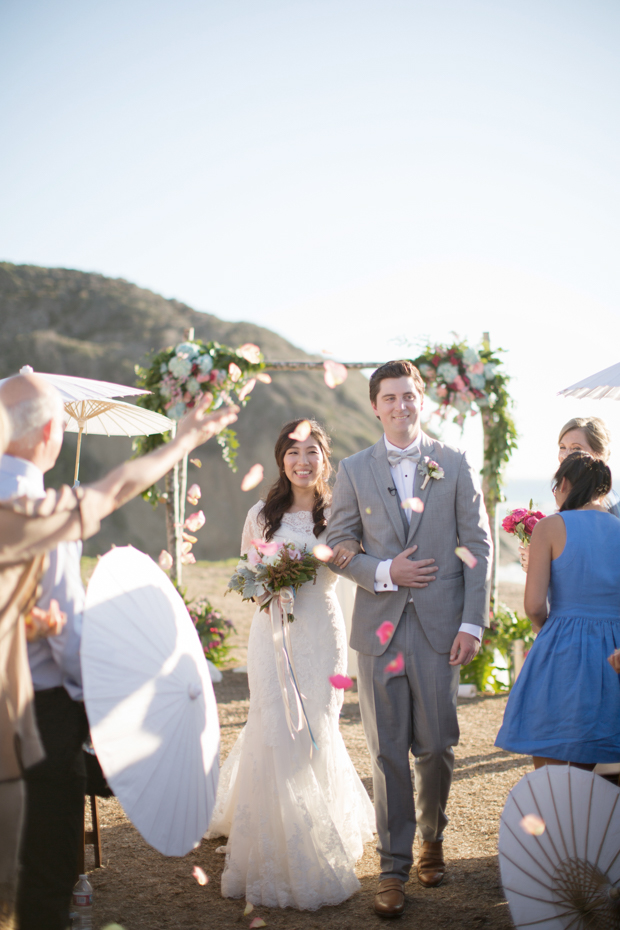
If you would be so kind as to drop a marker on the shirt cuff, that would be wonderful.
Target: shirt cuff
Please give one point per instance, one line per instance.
(383, 582)
(472, 629)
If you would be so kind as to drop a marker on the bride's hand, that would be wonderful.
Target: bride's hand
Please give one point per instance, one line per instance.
(344, 552)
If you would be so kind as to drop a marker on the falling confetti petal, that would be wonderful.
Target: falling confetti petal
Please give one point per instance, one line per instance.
(396, 665)
(249, 352)
(247, 389)
(221, 850)
(340, 681)
(248, 909)
(323, 553)
(335, 373)
(165, 560)
(267, 548)
(413, 503)
(195, 521)
(533, 825)
(385, 632)
(186, 547)
(257, 922)
(264, 377)
(465, 555)
(200, 875)
(188, 559)
(235, 372)
(368, 510)
(301, 431)
(189, 539)
(196, 462)
(193, 495)
(253, 477)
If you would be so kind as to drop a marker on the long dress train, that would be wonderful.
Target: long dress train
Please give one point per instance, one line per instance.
(296, 822)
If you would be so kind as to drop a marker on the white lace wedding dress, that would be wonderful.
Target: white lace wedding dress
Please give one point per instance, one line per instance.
(296, 825)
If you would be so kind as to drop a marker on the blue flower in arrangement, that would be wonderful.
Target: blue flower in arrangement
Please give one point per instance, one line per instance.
(163, 368)
(476, 381)
(470, 356)
(205, 363)
(489, 370)
(193, 386)
(447, 372)
(176, 412)
(179, 367)
(187, 350)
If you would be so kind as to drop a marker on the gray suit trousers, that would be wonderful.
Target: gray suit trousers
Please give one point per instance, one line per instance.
(427, 687)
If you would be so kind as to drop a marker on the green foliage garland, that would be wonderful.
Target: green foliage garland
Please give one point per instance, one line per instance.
(506, 628)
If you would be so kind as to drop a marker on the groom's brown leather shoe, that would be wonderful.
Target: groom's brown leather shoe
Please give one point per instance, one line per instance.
(390, 898)
(431, 865)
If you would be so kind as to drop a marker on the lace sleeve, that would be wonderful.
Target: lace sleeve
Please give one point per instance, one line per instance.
(253, 528)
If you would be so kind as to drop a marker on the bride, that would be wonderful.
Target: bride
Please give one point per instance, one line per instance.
(296, 818)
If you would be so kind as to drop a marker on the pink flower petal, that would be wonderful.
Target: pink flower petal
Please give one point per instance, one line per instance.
(340, 681)
(196, 462)
(186, 547)
(533, 825)
(263, 377)
(234, 371)
(301, 431)
(253, 477)
(248, 909)
(194, 494)
(165, 560)
(247, 389)
(324, 553)
(413, 503)
(465, 556)
(396, 665)
(267, 548)
(385, 632)
(188, 559)
(195, 521)
(254, 556)
(335, 373)
(200, 875)
(257, 922)
(250, 353)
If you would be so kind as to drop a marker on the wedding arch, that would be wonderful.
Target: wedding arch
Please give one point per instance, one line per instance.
(460, 379)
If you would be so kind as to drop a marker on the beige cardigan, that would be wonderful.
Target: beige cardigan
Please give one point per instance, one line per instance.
(28, 530)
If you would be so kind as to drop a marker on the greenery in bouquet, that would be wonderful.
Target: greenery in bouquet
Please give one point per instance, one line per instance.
(267, 568)
(485, 672)
(471, 380)
(179, 375)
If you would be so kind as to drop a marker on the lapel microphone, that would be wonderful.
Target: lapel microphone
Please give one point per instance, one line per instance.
(392, 491)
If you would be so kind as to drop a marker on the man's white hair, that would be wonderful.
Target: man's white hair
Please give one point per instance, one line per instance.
(29, 416)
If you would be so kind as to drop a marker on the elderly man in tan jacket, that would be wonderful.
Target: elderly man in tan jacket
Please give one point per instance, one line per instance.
(28, 530)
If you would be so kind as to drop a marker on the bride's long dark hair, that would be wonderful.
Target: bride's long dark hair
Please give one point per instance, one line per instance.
(280, 496)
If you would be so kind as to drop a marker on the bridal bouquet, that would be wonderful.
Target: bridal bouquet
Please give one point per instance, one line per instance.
(520, 522)
(268, 569)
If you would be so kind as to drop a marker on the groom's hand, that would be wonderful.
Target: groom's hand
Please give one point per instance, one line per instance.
(408, 574)
(464, 648)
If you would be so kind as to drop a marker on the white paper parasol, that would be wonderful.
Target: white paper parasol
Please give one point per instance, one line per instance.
(560, 865)
(605, 383)
(72, 388)
(150, 701)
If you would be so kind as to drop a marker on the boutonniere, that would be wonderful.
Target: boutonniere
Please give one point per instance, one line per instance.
(430, 469)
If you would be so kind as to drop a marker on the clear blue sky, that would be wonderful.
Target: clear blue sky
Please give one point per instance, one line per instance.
(346, 172)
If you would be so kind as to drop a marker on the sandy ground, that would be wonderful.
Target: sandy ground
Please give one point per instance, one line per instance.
(139, 888)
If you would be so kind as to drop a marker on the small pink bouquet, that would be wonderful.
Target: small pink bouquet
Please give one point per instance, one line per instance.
(521, 521)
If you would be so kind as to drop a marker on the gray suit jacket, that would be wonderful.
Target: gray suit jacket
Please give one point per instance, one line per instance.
(454, 515)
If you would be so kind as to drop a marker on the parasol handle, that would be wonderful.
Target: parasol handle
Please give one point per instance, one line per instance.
(76, 483)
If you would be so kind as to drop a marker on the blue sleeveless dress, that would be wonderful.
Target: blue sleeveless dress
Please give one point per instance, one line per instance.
(566, 701)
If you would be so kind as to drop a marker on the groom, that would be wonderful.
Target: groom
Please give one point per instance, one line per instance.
(431, 610)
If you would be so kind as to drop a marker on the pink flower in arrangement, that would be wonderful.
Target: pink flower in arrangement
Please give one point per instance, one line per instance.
(340, 681)
(396, 666)
(294, 554)
(385, 631)
(195, 521)
(441, 390)
(476, 369)
(234, 371)
(254, 556)
(202, 378)
(530, 522)
(459, 384)
(267, 548)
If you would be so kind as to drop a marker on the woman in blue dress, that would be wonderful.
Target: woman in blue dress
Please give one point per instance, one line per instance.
(565, 705)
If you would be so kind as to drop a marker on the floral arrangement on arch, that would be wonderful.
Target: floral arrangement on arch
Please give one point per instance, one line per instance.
(457, 376)
(179, 375)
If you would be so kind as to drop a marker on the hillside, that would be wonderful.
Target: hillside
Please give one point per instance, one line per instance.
(78, 323)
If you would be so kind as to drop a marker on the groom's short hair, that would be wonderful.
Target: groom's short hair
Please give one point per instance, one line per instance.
(402, 368)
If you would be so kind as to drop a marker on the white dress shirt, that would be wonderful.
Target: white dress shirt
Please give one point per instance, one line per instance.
(55, 660)
(404, 478)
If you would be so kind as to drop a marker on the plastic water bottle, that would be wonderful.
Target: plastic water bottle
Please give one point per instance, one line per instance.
(82, 905)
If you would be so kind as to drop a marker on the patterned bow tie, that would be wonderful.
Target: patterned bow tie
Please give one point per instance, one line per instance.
(395, 457)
